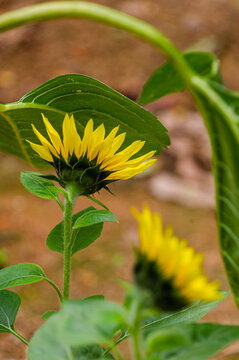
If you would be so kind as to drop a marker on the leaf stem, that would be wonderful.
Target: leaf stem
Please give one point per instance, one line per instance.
(20, 337)
(56, 288)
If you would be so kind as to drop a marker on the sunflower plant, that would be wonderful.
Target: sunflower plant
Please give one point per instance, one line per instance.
(88, 136)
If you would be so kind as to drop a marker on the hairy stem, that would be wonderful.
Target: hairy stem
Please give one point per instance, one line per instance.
(67, 216)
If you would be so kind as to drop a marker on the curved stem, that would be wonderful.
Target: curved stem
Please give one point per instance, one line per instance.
(55, 287)
(20, 337)
(78, 9)
(81, 9)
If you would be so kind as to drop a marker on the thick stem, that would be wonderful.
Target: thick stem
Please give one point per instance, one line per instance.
(67, 216)
(67, 247)
(20, 337)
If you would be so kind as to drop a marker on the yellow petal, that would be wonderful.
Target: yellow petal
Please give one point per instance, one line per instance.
(42, 151)
(87, 138)
(45, 142)
(130, 172)
(54, 136)
(71, 139)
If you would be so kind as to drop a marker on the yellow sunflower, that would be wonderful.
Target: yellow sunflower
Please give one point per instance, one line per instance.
(92, 161)
(168, 267)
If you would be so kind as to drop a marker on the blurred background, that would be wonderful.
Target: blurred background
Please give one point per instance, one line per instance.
(179, 186)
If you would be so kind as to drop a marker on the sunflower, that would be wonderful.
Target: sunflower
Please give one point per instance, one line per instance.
(92, 161)
(168, 267)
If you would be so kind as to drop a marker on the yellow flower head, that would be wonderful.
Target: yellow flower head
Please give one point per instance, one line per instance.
(168, 267)
(92, 161)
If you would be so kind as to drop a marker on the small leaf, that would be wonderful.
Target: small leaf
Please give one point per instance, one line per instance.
(20, 274)
(166, 79)
(48, 314)
(39, 186)
(94, 217)
(9, 305)
(83, 237)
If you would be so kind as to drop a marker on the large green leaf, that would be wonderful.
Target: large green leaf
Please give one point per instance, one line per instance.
(166, 79)
(188, 315)
(90, 322)
(85, 98)
(83, 237)
(77, 331)
(45, 344)
(192, 341)
(20, 274)
(9, 305)
(222, 124)
(220, 108)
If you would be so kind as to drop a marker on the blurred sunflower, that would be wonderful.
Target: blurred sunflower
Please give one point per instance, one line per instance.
(93, 161)
(168, 267)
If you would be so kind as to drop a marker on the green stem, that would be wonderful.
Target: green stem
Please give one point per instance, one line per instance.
(55, 287)
(117, 353)
(80, 9)
(67, 247)
(135, 331)
(67, 216)
(20, 337)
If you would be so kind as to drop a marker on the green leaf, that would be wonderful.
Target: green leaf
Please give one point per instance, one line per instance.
(201, 341)
(48, 314)
(166, 79)
(222, 122)
(166, 339)
(94, 217)
(94, 320)
(39, 186)
(188, 315)
(9, 305)
(84, 323)
(20, 274)
(220, 109)
(86, 98)
(45, 343)
(84, 236)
